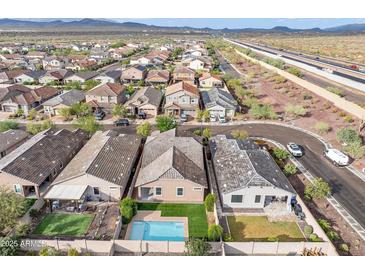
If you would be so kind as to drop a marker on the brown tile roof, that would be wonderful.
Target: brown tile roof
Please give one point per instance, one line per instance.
(158, 75)
(44, 93)
(108, 89)
(182, 86)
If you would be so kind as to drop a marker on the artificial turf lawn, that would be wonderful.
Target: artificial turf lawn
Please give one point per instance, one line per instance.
(258, 228)
(55, 224)
(197, 218)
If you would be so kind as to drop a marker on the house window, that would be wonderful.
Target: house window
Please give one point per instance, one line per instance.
(236, 198)
(96, 191)
(158, 191)
(180, 191)
(258, 199)
(197, 189)
(17, 188)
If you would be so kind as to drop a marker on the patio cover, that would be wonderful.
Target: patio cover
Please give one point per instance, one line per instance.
(66, 192)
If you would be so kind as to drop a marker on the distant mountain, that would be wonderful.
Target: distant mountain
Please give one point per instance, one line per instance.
(87, 23)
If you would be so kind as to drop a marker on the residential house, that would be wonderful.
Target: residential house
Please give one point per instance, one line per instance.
(181, 98)
(8, 77)
(101, 170)
(210, 81)
(172, 170)
(111, 76)
(182, 73)
(53, 62)
(248, 177)
(36, 55)
(141, 60)
(29, 77)
(10, 140)
(55, 76)
(106, 96)
(158, 77)
(80, 77)
(134, 74)
(30, 168)
(219, 102)
(64, 100)
(146, 100)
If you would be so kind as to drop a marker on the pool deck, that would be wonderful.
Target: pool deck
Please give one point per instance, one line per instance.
(155, 215)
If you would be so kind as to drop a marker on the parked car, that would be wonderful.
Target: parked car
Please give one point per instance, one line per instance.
(183, 118)
(222, 119)
(141, 115)
(213, 118)
(295, 149)
(99, 115)
(122, 122)
(299, 212)
(337, 157)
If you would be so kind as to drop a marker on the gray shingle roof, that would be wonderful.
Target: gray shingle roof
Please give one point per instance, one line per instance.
(146, 95)
(68, 98)
(241, 164)
(217, 96)
(11, 137)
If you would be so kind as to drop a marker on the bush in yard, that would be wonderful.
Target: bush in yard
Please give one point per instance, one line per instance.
(308, 230)
(333, 235)
(144, 129)
(318, 190)
(239, 134)
(128, 208)
(335, 90)
(22, 230)
(48, 251)
(9, 246)
(348, 119)
(33, 128)
(279, 79)
(165, 123)
(307, 97)
(73, 252)
(88, 124)
(348, 135)
(356, 150)
(11, 208)
(295, 110)
(280, 154)
(34, 213)
(6, 125)
(206, 133)
(322, 127)
(209, 202)
(215, 232)
(259, 111)
(250, 101)
(197, 247)
(344, 247)
(197, 132)
(290, 169)
(295, 71)
(32, 114)
(314, 238)
(324, 224)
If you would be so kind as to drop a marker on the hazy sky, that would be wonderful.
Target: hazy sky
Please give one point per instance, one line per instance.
(300, 23)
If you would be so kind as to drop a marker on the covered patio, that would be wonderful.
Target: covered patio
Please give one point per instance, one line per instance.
(66, 197)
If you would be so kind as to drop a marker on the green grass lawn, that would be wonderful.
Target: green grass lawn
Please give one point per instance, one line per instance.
(57, 224)
(197, 218)
(258, 228)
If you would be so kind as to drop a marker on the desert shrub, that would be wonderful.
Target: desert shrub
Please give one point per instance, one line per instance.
(290, 169)
(73, 252)
(259, 111)
(279, 79)
(239, 134)
(336, 91)
(250, 101)
(128, 208)
(319, 189)
(295, 110)
(356, 150)
(322, 127)
(307, 97)
(207, 133)
(197, 132)
(333, 235)
(348, 119)
(324, 224)
(308, 230)
(48, 251)
(280, 154)
(348, 135)
(197, 247)
(314, 238)
(295, 71)
(215, 232)
(344, 247)
(275, 62)
(209, 202)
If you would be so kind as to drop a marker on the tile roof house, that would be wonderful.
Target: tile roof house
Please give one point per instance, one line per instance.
(111, 76)
(219, 102)
(54, 62)
(146, 100)
(182, 73)
(181, 98)
(134, 74)
(66, 99)
(158, 77)
(30, 168)
(55, 75)
(80, 77)
(104, 165)
(8, 77)
(247, 176)
(172, 169)
(29, 76)
(210, 81)
(10, 140)
(106, 96)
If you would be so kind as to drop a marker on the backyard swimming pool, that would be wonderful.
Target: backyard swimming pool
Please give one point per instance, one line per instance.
(157, 231)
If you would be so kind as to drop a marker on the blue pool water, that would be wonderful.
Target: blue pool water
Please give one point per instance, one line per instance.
(157, 231)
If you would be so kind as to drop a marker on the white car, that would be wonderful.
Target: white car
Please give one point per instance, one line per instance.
(295, 149)
(337, 157)
(222, 119)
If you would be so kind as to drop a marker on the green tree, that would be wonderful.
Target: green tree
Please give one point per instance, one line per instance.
(197, 247)
(81, 109)
(34, 128)
(130, 89)
(89, 84)
(66, 113)
(356, 150)
(72, 85)
(209, 202)
(290, 169)
(119, 111)
(48, 251)
(317, 190)
(11, 207)
(324, 224)
(6, 125)
(215, 232)
(20, 112)
(9, 246)
(165, 123)
(32, 114)
(207, 133)
(88, 124)
(280, 154)
(128, 208)
(263, 112)
(240, 134)
(144, 129)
